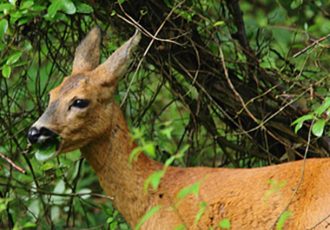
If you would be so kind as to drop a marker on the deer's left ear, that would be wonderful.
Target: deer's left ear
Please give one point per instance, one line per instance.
(116, 65)
(87, 55)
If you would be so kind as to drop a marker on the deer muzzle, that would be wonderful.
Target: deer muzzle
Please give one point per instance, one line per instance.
(42, 136)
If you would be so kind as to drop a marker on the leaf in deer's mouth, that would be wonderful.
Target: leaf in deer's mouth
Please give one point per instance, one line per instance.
(47, 150)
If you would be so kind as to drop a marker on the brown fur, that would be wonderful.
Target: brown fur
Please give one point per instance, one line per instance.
(249, 198)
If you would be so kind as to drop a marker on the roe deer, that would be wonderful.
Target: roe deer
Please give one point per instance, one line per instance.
(83, 113)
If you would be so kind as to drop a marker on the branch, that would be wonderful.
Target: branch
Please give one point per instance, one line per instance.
(12, 163)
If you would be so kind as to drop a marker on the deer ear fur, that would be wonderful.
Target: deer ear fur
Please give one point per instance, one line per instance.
(116, 65)
(87, 54)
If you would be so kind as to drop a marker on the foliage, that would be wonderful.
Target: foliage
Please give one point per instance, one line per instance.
(180, 105)
(319, 117)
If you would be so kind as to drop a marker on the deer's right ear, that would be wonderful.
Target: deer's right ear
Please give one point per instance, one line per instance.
(116, 65)
(87, 55)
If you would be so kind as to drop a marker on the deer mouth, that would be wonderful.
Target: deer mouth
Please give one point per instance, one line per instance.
(50, 143)
(47, 148)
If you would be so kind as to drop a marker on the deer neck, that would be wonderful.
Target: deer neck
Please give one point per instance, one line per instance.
(123, 181)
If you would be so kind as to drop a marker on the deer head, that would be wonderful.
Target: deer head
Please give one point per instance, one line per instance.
(80, 108)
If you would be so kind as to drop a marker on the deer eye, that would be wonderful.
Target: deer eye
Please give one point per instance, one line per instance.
(80, 103)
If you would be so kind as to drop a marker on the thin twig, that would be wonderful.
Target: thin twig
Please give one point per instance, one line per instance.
(21, 170)
(302, 173)
(138, 26)
(316, 42)
(147, 50)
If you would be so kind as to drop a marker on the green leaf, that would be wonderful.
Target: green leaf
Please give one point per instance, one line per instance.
(3, 28)
(201, 212)
(47, 166)
(284, 217)
(149, 149)
(191, 189)
(34, 207)
(6, 71)
(66, 6)
(14, 58)
(295, 4)
(322, 108)
(218, 23)
(134, 154)
(300, 121)
(318, 127)
(224, 223)
(167, 132)
(4, 203)
(179, 155)
(53, 8)
(27, 4)
(147, 216)
(84, 8)
(180, 227)
(5, 7)
(55, 213)
(154, 179)
(60, 187)
(28, 225)
(85, 193)
(45, 153)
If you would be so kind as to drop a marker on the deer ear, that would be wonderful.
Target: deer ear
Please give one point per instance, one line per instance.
(87, 54)
(116, 65)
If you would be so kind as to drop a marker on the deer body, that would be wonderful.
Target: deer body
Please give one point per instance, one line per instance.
(82, 112)
(244, 196)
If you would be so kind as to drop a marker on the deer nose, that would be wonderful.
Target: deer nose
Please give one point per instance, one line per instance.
(39, 135)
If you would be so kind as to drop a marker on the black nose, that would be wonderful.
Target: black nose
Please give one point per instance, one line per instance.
(34, 134)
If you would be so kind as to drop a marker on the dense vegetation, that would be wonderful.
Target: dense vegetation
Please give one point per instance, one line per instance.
(222, 83)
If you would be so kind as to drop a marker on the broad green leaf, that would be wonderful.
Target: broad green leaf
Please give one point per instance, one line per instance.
(29, 225)
(34, 207)
(4, 203)
(147, 216)
(134, 154)
(149, 149)
(167, 132)
(179, 155)
(218, 23)
(201, 212)
(55, 213)
(191, 189)
(300, 121)
(84, 8)
(6, 71)
(26, 4)
(46, 154)
(85, 192)
(154, 179)
(3, 28)
(14, 58)
(60, 187)
(224, 223)
(5, 7)
(318, 127)
(295, 4)
(283, 218)
(180, 227)
(322, 108)
(47, 166)
(53, 8)
(68, 7)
